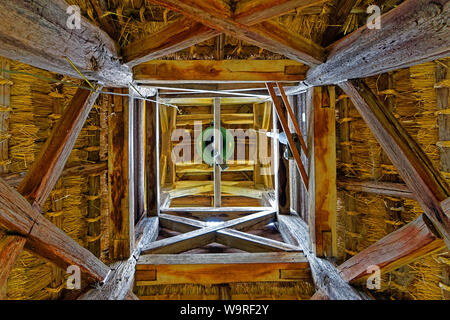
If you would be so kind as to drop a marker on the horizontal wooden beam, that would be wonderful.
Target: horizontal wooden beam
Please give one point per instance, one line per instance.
(186, 32)
(231, 118)
(403, 246)
(414, 32)
(43, 237)
(412, 163)
(221, 268)
(37, 33)
(389, 189)
(120, 282)
(268, 35)
(206, 71)
(47, 168)
(204, 168)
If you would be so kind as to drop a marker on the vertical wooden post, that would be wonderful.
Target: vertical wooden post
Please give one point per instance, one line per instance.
(322, 172)
(218, 158)
(151, 154)
(118, 182)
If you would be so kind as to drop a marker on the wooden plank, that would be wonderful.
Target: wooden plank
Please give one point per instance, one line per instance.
(403, 246)
(218, 147)
(201, 237)
(188, 167)
(139, 159)
(121, 280)
(268, 35)
(416, 169)
(322, 173)
(207, 71)
(414, 32)
(186, 32)
(292, 145)
(325, 275)
(118, 177)
(45, 238)
(10, 249)
(46, 169)
(390, 189)
(220, 268)
(36, 33)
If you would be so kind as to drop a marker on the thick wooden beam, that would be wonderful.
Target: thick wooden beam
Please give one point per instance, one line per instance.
(389, 189)
(10, 249)
(151, 160)
(120, 282)
(45, 238)
(416, 169)
(186, 32)
(325, 275)
(156, 269)
(207, 71)
(268, 35)
(403, 246)
(46, 169)
(414, 32)
(36, 33)
(322, 172)
(201, 237)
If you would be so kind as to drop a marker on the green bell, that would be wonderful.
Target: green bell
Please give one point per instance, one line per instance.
(205, 145)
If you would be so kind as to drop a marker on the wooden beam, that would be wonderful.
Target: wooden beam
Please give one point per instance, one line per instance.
(416, 169)
(10, 249)
(325, 275)
(188, 167)
(268, 35)
(322, 172)
(221, 268)
(45, 238)
(121, 222)
(403, 246)
(46, 169)
(36, 33)
(341, 12)
(414, 32)
(390, 189)
(186, 32)
(231, 118)
(207, 71)
(201, 237)
(120, 282)
(285, 126)
(151, 160)
(228, 237)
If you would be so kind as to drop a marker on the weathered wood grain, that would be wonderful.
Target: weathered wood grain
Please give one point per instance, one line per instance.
(414, 32)
(390, 189)
(416, 169)
(46, 169)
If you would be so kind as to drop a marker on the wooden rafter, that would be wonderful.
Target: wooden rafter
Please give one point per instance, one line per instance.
(186, 32)
(229, 237)
(45, 238)
(36, 33)
(46, 169)
(204, 236)
(390, 189)
(416, 169)
(210, 71)
(268, 35)
(285, 126)
(414, 32)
